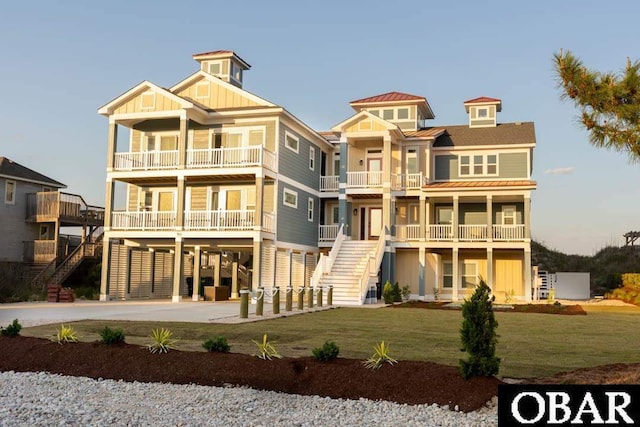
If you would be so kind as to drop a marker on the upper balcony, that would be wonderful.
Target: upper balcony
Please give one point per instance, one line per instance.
(68, 209)
(230, 158)
(466, 233)
(210, 220)
(371, 180)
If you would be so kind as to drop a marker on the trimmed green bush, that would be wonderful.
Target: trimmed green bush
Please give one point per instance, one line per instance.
(217, 344)
(397, 292)
(111, 336)
(478, 334)
(327, 352)
(13, 330)
(387, 293)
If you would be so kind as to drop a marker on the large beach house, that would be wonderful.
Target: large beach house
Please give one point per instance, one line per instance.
(223, 188)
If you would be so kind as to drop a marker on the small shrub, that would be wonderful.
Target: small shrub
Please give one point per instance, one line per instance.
(162, 341)
(217, 344)
(397, 293)
(327, 352)
(13, 330)
(436, 294)
(406, 293)
(266, 350)
(478, 334)
(379, 357)
(66, 334)
(387, 293)
(111, 336)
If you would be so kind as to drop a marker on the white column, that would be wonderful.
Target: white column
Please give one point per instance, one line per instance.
(527, 217)
(456, 275)
(489, 218)
(527, 275)
(490, 268)
(196, 273)
(178, 270)
(455, 219)
(422, 216)
(104, 275)
(181, 203)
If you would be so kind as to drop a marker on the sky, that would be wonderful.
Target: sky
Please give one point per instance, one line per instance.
(63, 59)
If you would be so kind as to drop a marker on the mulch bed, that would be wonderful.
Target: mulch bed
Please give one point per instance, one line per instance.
(411, 382)
(515, 308)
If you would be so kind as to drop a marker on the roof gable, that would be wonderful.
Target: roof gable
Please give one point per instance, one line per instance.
(145, 97)
(11, 169)
(221, 94)
(364, 121)
(389, 97)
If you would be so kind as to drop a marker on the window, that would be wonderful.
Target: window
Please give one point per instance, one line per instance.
(312, 158)
(256, 137)
(44, 232)
(148, 100)
(290, 198)
(10, 192)
(444, 215)
(335, 214)
(447, 274)
(509, 215)
(492, 165)
(215, 68)
(251, 199)
(310, 210)
(403, 113)
(375, 112)
(469, 274)
(336, 164)
(478, 165)
(202, 89)
(236, 72)
(412, 160)
(482, 113)
(387, 114)
(291, 142)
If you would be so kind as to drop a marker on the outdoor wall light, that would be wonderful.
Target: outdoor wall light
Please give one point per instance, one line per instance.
(361, 162)
(355, 212)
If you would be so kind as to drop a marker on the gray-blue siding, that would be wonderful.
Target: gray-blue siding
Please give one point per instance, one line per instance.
(293, 224)
(14, 230)
(296, 165)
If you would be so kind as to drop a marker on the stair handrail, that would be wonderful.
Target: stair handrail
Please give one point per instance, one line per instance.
(372, 263)
(45, 271)
(325, 263)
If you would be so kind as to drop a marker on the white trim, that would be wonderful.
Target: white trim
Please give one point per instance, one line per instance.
(285, 192)
(11, 201)
(472, 165)
(108, 108)
(462, 271)
(33, 181)
(514, 216)
(310, 209)
(443, 274)
(312, 158)
(288, 134)
(485, 147)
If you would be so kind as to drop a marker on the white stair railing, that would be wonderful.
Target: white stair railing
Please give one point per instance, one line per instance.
(326, 262)
(371, 266)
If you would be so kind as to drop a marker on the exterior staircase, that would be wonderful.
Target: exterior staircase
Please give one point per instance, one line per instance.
(348, 267)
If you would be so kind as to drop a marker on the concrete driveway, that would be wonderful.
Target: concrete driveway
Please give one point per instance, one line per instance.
(42, 313)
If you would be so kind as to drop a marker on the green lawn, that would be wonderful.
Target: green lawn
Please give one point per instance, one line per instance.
(530, 345)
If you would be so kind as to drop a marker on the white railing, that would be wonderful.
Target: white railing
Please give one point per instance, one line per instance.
(472, 233)
(328, 233)
(439, 232)
(364, 179)
(269, 222)
(409, 181)
(329, 183)
(230, 157)
(220, 220)
(145, 220)
(269, 160)
(326, 262)
(508, 232)
(371, 266)
(408, 232)
(145, 160)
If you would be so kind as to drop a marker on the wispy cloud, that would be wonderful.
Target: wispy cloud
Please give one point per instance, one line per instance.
(561, 171)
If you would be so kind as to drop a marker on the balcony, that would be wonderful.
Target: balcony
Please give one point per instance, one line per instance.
(409, 181)
(39, 251)
(408, 232)
(472, 233)
(216, 220)
(329, 183)
(466, 232)
(508, 233)
(196, 159)
(328, 233)
(145, 160)
(369, 179)
(69, 209)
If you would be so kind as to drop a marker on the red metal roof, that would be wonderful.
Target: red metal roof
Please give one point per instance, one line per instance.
(389, 97)
(423, 133)
(215, 52)
(482, 99)
(475, 184)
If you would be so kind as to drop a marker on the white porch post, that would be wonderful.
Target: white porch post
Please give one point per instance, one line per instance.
(178, 270)
(257, 255)
(489, 219)
(456, 275)
(112, 143)
(422, 216)
(454, 220)
(181, 203)
(490, 268)
(527, 217)
(527, 275)
(104, 275)
(196, 274)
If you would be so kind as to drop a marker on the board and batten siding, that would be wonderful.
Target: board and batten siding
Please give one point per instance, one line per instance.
(296, 165)
(217, 96)
(510, 166)
(134, 105)
(293, 225)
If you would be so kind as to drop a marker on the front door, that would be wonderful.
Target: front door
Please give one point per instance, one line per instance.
(374, 164)
(374, 223)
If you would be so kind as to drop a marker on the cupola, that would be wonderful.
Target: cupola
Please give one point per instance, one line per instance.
(224, 64)
(483, 111)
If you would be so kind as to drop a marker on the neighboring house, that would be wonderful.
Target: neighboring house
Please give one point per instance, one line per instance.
(225, 188)
(34, 216)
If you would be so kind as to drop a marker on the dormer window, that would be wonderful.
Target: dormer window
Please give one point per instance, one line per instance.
(215, 68)
(483, 111)
(236, 72)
